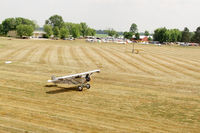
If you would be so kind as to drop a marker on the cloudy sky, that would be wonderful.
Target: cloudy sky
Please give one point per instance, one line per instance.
(103, 14)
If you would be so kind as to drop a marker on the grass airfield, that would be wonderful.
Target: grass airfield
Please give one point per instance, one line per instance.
(157, 90)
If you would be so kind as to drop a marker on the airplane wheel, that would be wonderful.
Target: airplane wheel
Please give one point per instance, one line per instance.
(80, 88)
(88, 86)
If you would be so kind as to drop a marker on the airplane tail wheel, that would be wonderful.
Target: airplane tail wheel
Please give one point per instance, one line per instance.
(80, 88)
(88, 86)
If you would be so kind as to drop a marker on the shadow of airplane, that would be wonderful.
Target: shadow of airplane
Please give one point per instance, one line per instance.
(61, 89)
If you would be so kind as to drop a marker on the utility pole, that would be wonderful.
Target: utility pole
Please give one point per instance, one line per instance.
(133, 48)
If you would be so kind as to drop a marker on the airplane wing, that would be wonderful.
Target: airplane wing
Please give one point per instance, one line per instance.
(74, 76)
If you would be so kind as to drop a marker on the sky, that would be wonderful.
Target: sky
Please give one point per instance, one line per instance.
(104, 14)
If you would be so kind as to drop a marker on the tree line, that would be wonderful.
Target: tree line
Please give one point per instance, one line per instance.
(175, 35)
(23, 26)
(54, 26)
(58, 28)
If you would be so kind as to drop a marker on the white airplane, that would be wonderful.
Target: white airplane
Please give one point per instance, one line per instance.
(80, 79)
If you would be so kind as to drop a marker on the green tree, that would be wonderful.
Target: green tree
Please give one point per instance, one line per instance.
(111, 32)
(128, 35)
(1, 29)
(196, 37)
(24, 21)
(64, 33)
(150, 39)
(173, 35)
(83, 29)
(76, 30)
(160, 35)
(91, 32)
(48, 30)
(56, 31)
(8, 25)
(133, 28)
(146, 33)
(69, 27)
(186, 36)
(137, 36)
(55, 21)
(24, 30)
(12, 23)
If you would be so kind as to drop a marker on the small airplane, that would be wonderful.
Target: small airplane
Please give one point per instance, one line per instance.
(80, 79)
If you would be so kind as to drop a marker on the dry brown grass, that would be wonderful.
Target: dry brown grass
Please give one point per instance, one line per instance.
(157, 90)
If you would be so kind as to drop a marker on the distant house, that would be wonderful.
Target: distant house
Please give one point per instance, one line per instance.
(38, 34)
(143, 39)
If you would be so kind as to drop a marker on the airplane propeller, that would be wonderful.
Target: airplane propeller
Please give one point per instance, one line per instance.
(87, 77)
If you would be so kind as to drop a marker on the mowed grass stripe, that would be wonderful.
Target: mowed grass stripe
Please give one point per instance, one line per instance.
(163, 66)
(9, 129)
(179, 63)
(42, 119)
(59, 116)
(60, 55)
(15, 125)
(149, 66)
(128, 61)
(28, 125)
(27, 56)
(88, 55)
(181, 68)
(14, 53)
(109, 59)
(82, 57)
(74, 56)
(187, 61)
(44, 55)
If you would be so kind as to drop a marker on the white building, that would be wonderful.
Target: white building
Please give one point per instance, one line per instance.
(38, 34)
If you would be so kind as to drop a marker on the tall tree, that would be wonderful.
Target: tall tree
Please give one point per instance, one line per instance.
(48, 30)
(133, 28)
(1, 29)
(56, 31)
(137, 36)
(83, 29)
(186, 37)
(91, 32)
(160, 35)
(146, 33)
(55, 21)
(64, 33)
(173, 35)
(69, 27)
(24, 30)
(76, 30)
(12, 23)
(196, 37)
(8, 25)
(128, 35)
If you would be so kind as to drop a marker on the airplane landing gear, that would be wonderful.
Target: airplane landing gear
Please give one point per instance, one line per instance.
(80, 87)
(87, 86)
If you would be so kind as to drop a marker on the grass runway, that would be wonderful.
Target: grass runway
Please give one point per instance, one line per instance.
(157, 90)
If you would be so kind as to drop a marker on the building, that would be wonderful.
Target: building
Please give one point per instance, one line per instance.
(38, 34)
